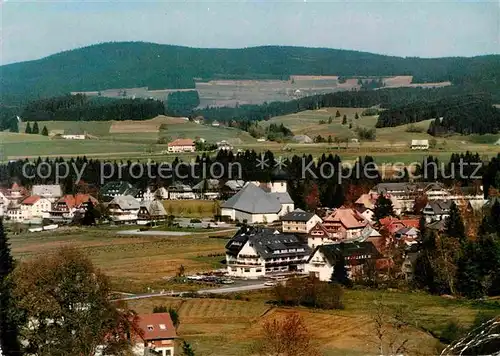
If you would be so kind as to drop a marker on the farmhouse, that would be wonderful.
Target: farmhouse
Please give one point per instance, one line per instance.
(151, 211)
(262, 203)
(180, 191)
(181, 145)
(437, 210)
(123, 209)
(33, 207)
(64, 209)
(207, 189)
(322, 261)
(299, 222)
(256, 252)
(117, 188)
(158, 334)
(345, 223)
(419, 144)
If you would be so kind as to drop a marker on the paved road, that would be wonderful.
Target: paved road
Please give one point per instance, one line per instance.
(171, 233)
(221, 290)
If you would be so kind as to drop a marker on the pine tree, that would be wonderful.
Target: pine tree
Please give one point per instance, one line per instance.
(469, 277)
(45, 132)
(339, 274)
(356, 116)
(337, 114)
(28, 128)
(14, 126)
(9, 330)
(454, 226)
(344, 120)
(383, 208)
(330, 120)
(89, 216)
(35, 130)
(187, 350)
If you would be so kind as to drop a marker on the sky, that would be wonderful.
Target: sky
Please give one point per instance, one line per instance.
(35, 29)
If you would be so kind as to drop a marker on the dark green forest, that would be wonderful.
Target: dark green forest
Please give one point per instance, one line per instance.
(466, 114)
(82, 108)
(139, 64)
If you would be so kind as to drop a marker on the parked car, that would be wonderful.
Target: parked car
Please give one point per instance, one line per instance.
(270, 284)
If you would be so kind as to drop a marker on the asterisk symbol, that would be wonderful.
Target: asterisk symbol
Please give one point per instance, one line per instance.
(280, 163)
(262, 162)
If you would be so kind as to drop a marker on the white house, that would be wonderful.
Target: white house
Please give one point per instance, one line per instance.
(299, 222)
(181, 145)
(419, 144)
(123, 209)
(51, 192)
(74, 137)
(33, 207)
(437, 210)
(322, 261)
(178, 191)
(255, 252)
(66, 207)
(262, 203)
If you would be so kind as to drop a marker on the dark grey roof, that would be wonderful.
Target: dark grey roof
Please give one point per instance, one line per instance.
(405, 187)
(252, 199)
(126, 202)
(117, 188)
(438, 206)
(268, 241)
(297, 215)
(351, 249)
(179, 187)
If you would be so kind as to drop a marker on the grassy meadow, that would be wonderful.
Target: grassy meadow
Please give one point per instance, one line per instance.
(133, 263)
(231, 327)
(138, 140)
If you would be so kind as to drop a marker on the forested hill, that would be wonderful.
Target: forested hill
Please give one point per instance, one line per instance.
(137, 64)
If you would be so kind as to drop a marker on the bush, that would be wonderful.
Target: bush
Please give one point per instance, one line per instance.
(413, 128)
(365, 134)
(195, 221)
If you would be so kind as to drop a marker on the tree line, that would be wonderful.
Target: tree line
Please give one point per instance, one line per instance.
(82, 108)
(455, 114)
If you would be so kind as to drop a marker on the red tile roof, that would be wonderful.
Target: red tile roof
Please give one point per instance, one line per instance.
(76, 200)
(348, 217)
(181, 142)
(393, 224)
(31, 200)
(157, 326)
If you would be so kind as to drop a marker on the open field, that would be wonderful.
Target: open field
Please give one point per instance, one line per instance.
(138, 139)
(232, 327)
(133, 263)
(221, 327)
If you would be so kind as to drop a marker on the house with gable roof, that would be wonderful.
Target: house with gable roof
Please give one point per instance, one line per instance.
(66, 207)
(345, 223)
(322, 260)
(299, 221)
(263, 203)
(257, 252)
(123, 209)
(158, 334)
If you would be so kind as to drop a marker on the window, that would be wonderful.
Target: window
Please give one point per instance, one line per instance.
(247, 270)
(258, 270)
(150, 328)
(163, 327)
